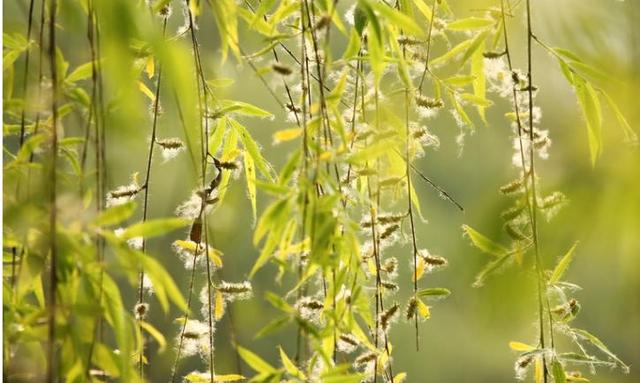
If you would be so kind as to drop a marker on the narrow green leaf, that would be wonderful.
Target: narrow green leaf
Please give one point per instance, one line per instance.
(434, 292)
(601, 346)
(470, 23)
(154, 228)
(630, 134)
(255, 362)
(157, 335)
(483, 243)
(559, 375)
(278, 302)
(250, 175)
(490, 268)
(590, 106)
(252, 148)
(398, 19)
(289, 366)
(562, 265)
(116, 214)
(272, 326)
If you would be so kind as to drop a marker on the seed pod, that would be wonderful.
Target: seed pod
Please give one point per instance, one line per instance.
(365, 358)
(312, 304)
(387, 219)
(434, 260)
(552, 200)
(389, 231)
(228, 165)
(389, 285)
(419, 133)
(405, 40)
(140, 311)
(192, 335)
(493, 55)
(541, 143)
(165, 11)
(412, 308)
(511, 187)
(512, 213)
(170, 143)
(281, 69)
(348, 338)
(428, 102)
(524, 361)
(196, 231)
(390, 265)
(574, 307)
(514, 232)
(387, 316)
(323, 22)
(293, 108)
(527, 88)
(234, 288)
(124, 192)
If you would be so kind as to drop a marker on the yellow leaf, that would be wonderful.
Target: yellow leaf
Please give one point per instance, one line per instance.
(194, 8)
(219, 306)
(400, 377)
(289, 366)
(231, 155)
(286, 135)
(420, 268)
(250, 175)
(150, 68)
(157, 335)
(228, 378)
(325, 156)
(215, 256)
(423, 309)
(144, 89)
(518, 346)
(538, 370)
(185, 245)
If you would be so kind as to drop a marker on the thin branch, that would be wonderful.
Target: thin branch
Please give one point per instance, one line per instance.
(53, 283)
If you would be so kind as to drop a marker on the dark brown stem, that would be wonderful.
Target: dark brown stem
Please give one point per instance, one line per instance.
(426, 61)
(145, 205)
(53, 283)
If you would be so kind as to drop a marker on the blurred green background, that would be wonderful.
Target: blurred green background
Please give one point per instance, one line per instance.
(466, 339)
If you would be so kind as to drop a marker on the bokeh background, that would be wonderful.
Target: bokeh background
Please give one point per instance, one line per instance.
(466, 339)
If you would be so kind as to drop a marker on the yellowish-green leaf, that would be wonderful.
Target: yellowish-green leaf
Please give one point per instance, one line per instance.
(559, 376)
(146, 91)
(423, 309)
(150, 67)
(398, 19)
(289, 366)
(250, 175)
(590, 106)
(219, 306)
(154, 228)
(483, 243)
(252, 148)
(286, 135)
(469, 24)
(522, 347)
(630, 134)
(254, 361)
(116, 214)
(157, 335)
(562, 265)
(479, 83)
